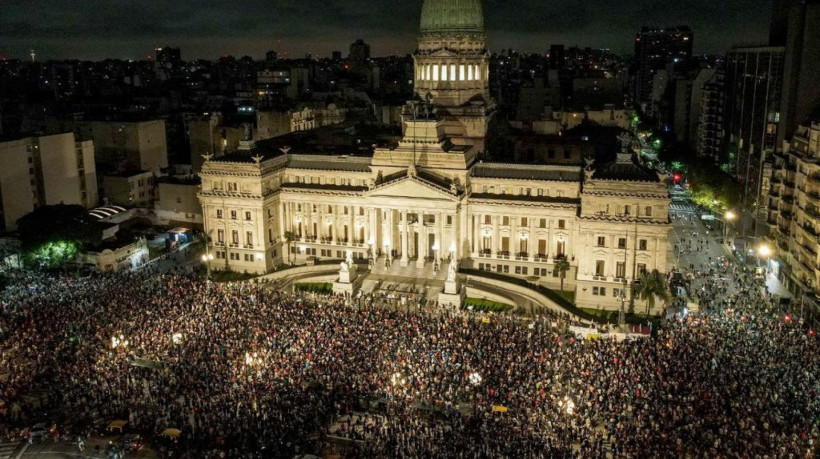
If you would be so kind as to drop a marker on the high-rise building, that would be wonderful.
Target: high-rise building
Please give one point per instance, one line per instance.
(778, 25)
(710, 128)
(655, 48)
(801, 91)
(122, 144)
(46, 170)
(558, 56)
(754, 83)
(794, 211)
(359, 51)
(169, 58)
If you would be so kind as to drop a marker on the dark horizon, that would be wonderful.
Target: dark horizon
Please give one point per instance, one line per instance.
(96, 30)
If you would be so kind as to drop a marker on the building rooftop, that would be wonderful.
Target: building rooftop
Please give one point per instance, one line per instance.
(527, 172)
(623, 171)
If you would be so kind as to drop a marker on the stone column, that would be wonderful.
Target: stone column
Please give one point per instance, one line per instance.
(368, 214)
(422, 246)
(404, 241)
(388, 236)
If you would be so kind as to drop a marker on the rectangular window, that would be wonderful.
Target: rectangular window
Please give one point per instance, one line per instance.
(648, 211)
(247, 216)
(518, 270)
(621, 242)
(540, 192)
(620, 270)
(626, 210)
(523, 222)
(449, 219)
(642, 244)
(601, 241)
(595, 291)
(461, 76)
(220, 236)
(499, 268)
(488, 220)
(562, 224)
(444, 73)
(542, 223)
(599, 267)
(641, 269)
(525, 270)
(218, 213)
(602, 291)
(505, 221)
(453, 72)
(233, 215)
(235, 237)
(249, 237)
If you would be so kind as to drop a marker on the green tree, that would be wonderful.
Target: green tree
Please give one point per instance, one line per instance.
(290, 236)
(53, 235)
(562, 266)
(651, 285)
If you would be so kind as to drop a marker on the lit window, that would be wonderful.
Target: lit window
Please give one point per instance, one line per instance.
(469, 73)
(444, 72)
(461, 72)
(452, 72)
(435, 73)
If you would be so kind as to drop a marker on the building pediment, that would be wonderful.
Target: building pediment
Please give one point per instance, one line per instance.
(411, 188)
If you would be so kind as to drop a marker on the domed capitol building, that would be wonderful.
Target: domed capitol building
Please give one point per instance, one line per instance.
(412, 209)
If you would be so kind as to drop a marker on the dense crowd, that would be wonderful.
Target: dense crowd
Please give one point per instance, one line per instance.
(242, 369)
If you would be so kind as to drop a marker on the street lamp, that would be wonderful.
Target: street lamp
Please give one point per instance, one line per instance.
(207, 258)
(764, 251)
(475, 381)
(728, 216)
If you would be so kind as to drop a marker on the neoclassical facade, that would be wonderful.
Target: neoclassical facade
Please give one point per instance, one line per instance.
(429, 200)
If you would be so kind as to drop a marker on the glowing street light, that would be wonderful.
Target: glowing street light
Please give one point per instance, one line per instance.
(764, 251)
(206, 259)
(728, 216)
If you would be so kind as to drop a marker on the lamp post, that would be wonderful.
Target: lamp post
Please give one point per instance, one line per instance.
(206, 259)
(475, 381)
(728, 216)
(764, 251)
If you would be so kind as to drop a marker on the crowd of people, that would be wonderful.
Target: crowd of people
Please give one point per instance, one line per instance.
(246, 371)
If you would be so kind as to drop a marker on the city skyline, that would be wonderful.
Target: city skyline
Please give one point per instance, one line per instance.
(132, 29)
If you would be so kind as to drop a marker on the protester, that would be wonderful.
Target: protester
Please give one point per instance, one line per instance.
(243, 369)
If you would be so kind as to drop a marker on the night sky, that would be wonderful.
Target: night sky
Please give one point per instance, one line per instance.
(130, 29)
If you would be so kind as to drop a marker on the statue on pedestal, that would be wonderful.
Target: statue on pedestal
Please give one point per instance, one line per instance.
(451, 272)
(343, 267)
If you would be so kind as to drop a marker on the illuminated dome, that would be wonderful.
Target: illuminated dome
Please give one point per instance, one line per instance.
(452, 16)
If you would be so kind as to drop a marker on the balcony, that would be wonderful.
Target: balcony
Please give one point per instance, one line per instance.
(522, 256)
(486, 253)
(541, 258)
(503, 254)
